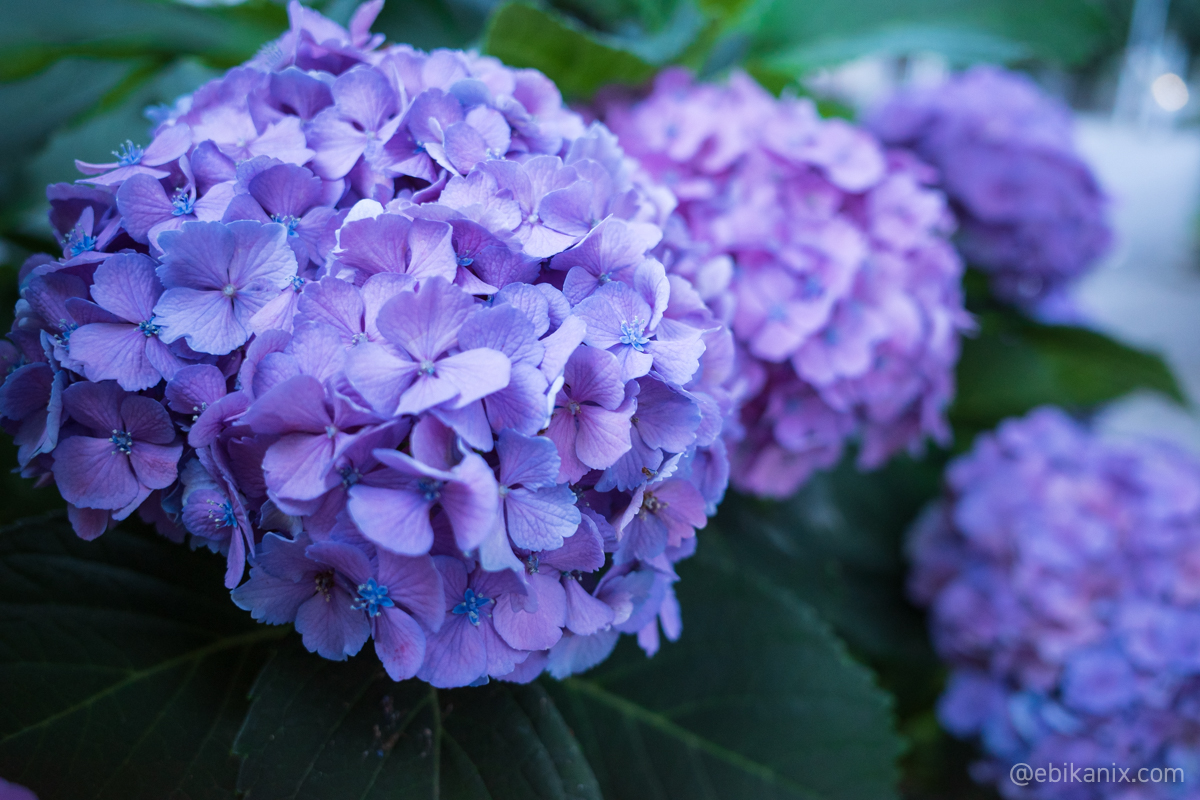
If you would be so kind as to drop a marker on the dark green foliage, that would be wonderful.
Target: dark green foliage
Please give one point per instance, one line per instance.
(524, 36)
(123, 666)
(757, 699)
(326, 730)
(1015, 364)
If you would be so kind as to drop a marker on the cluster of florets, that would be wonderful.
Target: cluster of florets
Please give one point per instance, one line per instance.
(1062, 574)
(384, 326)
(826, 256)
(1030, 212)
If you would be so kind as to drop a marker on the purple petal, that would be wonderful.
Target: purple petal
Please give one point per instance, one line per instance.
(603, 435)
(574, 654)
(197, 256)
(521, 405)
(585, 614)
(331, 626)
(297, 404)
(594, 375)
(337, 143)
(454, 656)
(300, 466)
(379, 376)
(114, 352)
(537, 630)
(286, 190)
(96, 405)
(426, 322)
(471, 501)
(92, 473)
(666, 418)
(395, 519)
(539, 520)
(345, 558)
(146, 420)
(272, 600)
(399, 643)
(143, 203)
(503, 328)
(414, 584)
(262, 262)
(529, 461)
(206, 319)
(474, 374)
(127, 286)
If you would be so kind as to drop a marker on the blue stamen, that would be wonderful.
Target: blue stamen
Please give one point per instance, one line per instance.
(471, 605)
(79, 242)
(297, 283)
(633, 334)
(371, 598)
(465, 261)
(149, 329)
(430, 489)
(122, 440)
(287, 221)
(350, 476)
(182, 204)
(427, 368)
(129, 154)
(223, 512)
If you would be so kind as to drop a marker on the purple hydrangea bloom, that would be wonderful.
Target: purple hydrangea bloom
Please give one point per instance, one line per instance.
(385, 327)
(1030, 210)
(1062, 576)
(826, 256)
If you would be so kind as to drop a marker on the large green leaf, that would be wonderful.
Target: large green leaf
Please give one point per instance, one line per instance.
(34, 34)
(123, 666)
(1064, 31)
(756, 699)
(523, 36)
(1015, 364)
(327, 730)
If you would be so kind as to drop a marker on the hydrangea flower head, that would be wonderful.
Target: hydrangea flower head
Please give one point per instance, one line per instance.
(385, 328)
(1030, 211)
(1062, 575)
(824, 254)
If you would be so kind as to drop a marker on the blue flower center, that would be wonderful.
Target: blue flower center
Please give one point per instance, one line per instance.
(122, 440)
(777, 313)
(129, 154)
(64, 338)
(532, 564)
(79, 242)
(182, 204)
(288, 221)
(464, 261)
(297, 283)
(149, 329)
(357, 339)
(350, 476)
(371, 598)
(471, 605)
(634, 335)
(429, 488)
(223, 514)
(427, 368)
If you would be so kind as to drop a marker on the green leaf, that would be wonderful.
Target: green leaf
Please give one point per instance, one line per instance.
(37, 33)
(756, 699)
(1064, 31)
(327, 730)
(123, 666)
(96, 136)
(523, 36)
(1015, 365)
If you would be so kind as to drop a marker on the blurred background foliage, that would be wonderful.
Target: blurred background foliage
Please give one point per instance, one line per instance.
(77, 76)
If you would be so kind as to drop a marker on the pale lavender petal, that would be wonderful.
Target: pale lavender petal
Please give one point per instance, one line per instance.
(529, 461)
(454, 656)
(471, 501)
(197, 256)
(414, 584)
(474, 374)
(539, 520)
(603, 435)
(127, 286)
(206, 319)
(114, 352)
(143, 203)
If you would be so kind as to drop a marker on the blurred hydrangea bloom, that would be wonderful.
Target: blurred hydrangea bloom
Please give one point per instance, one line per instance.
(1062, 574)
(824, 254)
(383, 326)
(1029, 209)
